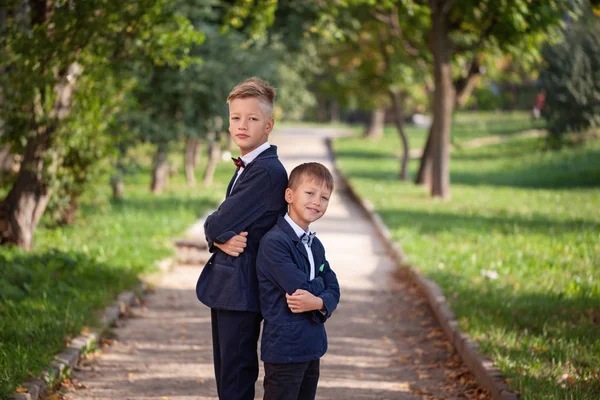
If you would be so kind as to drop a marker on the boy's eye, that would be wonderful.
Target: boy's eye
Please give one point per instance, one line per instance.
(235, 118)
(254, 119)
(309, 193)
(325, 198)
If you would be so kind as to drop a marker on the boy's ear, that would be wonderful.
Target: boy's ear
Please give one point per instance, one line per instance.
(270, 125)
(288, 195)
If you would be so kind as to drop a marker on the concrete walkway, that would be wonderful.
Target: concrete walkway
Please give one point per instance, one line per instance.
(383, 340)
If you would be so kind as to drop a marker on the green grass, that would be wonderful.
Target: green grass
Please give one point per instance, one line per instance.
(48, 295)
(468, 126)
(516, 250)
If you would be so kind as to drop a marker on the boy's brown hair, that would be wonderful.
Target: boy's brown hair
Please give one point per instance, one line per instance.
(257, 88)
(311, 170)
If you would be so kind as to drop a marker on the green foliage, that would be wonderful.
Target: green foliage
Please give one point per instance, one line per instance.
(48, 295)
(571, 80)
(93, 46)
(515, 251)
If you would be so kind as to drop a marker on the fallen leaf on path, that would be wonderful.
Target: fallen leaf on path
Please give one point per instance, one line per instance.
(21, 389)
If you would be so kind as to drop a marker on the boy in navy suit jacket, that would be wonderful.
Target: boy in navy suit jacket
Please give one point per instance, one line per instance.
(297, 288)
(254, 200)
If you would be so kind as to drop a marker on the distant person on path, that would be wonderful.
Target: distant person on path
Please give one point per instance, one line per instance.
(298, 289)
(540, 102)
(254, 201)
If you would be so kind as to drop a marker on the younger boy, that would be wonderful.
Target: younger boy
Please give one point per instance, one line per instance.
(298, 290)
(254, 200)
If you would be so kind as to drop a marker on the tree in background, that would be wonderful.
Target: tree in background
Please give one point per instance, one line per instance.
(571, 80)
(47, 49)
(470, 30)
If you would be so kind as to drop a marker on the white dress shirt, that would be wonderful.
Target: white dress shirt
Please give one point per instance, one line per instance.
(248, 158)
(299, 231)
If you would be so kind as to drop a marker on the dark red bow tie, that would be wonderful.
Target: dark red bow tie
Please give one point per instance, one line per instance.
(238, 162)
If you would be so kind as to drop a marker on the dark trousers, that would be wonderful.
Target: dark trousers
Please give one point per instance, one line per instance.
(297, 381)
(235, 337)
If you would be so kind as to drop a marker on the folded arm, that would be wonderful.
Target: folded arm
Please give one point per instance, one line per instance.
(275, 262)
(250, 200)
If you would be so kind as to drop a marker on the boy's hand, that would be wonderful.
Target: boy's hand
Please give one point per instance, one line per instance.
(302, 301)
(234, 246)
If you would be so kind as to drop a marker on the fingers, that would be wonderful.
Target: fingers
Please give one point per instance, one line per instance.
(243, 234)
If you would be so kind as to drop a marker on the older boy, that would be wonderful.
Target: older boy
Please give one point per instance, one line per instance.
(254, 200)
(297, 288)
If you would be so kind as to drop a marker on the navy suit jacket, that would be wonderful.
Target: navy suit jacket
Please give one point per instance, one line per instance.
(283, 267)
(254, 204)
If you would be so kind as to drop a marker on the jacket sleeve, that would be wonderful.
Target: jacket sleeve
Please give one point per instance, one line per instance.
(248, 203)
(275, 262)
(330, 296)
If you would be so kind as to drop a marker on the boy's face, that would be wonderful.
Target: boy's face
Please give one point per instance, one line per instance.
(249, 126)
(308, 201)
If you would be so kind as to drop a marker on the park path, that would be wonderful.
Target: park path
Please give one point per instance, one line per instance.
(384, 342)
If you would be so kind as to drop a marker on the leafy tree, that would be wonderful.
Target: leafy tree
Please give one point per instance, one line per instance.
(47, 49)
(571, 80)
(471, 30)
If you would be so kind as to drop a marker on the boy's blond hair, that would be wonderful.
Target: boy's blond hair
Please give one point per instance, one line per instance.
(257, 88)
(311, 170)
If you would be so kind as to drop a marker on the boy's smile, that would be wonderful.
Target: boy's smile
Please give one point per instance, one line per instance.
(249, 125)
(308, 201)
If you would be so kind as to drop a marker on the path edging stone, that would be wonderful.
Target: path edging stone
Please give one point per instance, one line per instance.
(65, 360)
(484, 370)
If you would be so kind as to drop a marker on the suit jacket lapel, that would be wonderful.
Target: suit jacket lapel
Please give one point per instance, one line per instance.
(231, 183)
(283, 224)
(271, 152)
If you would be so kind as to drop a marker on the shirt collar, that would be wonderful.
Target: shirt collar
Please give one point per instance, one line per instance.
(248, 158)
(299, 231)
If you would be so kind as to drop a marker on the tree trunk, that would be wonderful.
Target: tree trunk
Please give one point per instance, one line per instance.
(464, 86)
(375, 125)
(118, 188)
(23, 207)
(398, 111)
(6, 160)
(214, 153)
(70, 212)
(160, 172)
(424, 173)
(321, 108)
(191, 160)
(334, 112)
(443, 98)
(21, 210)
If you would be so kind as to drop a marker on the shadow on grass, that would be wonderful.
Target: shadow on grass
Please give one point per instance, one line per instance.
(44, 298)
(435, 223)
(564, 173)
(542, 329)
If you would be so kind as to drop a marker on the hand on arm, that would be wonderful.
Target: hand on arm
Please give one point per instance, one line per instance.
(276, 263)
(302, 301)
(234, 246)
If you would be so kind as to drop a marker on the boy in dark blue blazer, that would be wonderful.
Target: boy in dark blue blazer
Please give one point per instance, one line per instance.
(297, 288)
(254, 200)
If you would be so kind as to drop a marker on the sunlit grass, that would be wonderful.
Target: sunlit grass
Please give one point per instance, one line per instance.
(516, 251)
(49, 294)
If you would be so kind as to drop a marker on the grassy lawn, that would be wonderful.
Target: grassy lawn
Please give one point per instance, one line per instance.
(470, 125)
(48, 295)
(516, 250)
